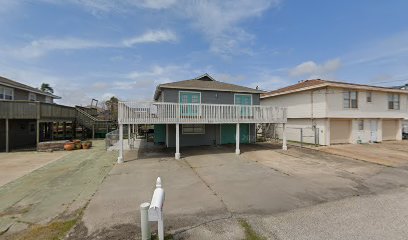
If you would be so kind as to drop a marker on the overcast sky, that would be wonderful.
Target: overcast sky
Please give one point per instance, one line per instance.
(98, 48)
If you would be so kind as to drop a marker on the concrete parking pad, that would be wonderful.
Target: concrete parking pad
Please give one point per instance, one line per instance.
(211, 188)
(17, 164)
(375, 217)
(54, 191)
(388, 153)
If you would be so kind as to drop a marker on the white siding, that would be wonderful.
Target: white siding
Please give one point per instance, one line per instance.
(378, 108)
(300, 105)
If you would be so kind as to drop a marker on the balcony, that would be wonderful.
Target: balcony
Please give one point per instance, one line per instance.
(35, 110)
(171, 113)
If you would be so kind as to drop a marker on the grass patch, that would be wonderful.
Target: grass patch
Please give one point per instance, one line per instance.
(166, 237)
(250, 233)
(53, 231)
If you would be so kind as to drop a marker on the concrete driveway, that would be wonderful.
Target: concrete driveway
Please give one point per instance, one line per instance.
(210, 189)
(17, 164)
(388, 153)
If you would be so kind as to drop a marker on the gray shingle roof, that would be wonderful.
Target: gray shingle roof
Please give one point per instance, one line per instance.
(14, 84)
(205, 82)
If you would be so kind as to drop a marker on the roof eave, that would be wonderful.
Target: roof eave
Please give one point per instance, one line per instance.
(213, 89)
(266, 95)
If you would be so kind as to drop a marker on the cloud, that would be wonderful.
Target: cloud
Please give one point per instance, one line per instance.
(234, 79)
(155, 4)
(8, 5)
(40, 47)
(105, 6)
(313, 70)
(267, 82)
(219, 22)
(381, 51)
(152, 37)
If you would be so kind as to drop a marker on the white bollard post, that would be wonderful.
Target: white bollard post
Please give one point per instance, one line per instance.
(144, 221)
(156, 208)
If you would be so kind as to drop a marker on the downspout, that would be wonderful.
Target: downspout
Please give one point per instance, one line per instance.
(311, 110)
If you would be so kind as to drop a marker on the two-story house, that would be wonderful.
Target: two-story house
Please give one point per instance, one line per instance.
(27, 114)
(201, 111)
(341, 112)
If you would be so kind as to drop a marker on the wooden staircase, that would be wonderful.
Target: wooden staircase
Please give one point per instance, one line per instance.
(92, 126)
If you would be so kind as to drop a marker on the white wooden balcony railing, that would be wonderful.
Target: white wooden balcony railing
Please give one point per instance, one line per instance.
(165, 113)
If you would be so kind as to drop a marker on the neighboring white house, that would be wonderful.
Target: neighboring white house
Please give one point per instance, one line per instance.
(341, 112)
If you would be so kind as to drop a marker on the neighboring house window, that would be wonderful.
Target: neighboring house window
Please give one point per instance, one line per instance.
(360, 125)
(369, 97)
(350, 99)
(6, 93)
(48, 99)
(393, 101)
(193, 129)
(32, 97)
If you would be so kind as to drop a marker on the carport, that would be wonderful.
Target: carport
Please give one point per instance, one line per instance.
(236, 116)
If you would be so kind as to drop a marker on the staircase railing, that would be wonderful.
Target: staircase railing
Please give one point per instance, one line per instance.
(91, 122)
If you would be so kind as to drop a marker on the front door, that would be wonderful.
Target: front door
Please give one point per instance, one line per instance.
(373, 130)
(228, 132)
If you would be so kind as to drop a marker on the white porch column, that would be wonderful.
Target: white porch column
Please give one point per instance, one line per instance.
(129, 133)
(284, 146)
(177, 155)
(237, 151)
(7, 135)
(120, 158)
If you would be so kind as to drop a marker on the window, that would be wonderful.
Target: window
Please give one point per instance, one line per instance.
(32, 97)
(190, 110)
(6, 93)
(360, 125)
(195, 98)
(350, 99)
(48, 99)
(184, 99)
(369, 97)
(193, 129)
(393, 101)
(243, 99)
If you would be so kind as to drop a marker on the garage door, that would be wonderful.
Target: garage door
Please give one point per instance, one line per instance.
(389, 129)
(340, 131)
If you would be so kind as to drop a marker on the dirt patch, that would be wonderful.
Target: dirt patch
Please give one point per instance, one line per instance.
(123, 231)
(386, 154)
(56, 229)
(250, 233)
